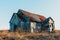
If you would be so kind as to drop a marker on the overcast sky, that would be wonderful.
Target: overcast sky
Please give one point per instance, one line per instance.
(43, 7)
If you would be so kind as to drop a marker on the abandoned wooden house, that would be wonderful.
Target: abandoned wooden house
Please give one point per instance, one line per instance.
(29, 22)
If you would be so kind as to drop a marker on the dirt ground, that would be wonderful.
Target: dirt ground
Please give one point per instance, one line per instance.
(7, 35)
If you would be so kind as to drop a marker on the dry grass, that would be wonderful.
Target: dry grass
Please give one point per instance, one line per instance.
(57, 31)
(6, 33)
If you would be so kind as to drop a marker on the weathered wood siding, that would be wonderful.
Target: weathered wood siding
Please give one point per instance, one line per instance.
(14, 21)
(35, 27)
(22, 22)
(51, 23)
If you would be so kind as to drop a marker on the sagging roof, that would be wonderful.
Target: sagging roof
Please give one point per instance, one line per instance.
(31, 16)
(35, 16)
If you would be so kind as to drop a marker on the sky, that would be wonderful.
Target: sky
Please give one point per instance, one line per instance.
(42, 7)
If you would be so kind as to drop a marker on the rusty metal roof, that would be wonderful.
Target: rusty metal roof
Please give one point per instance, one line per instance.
(35, 16)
